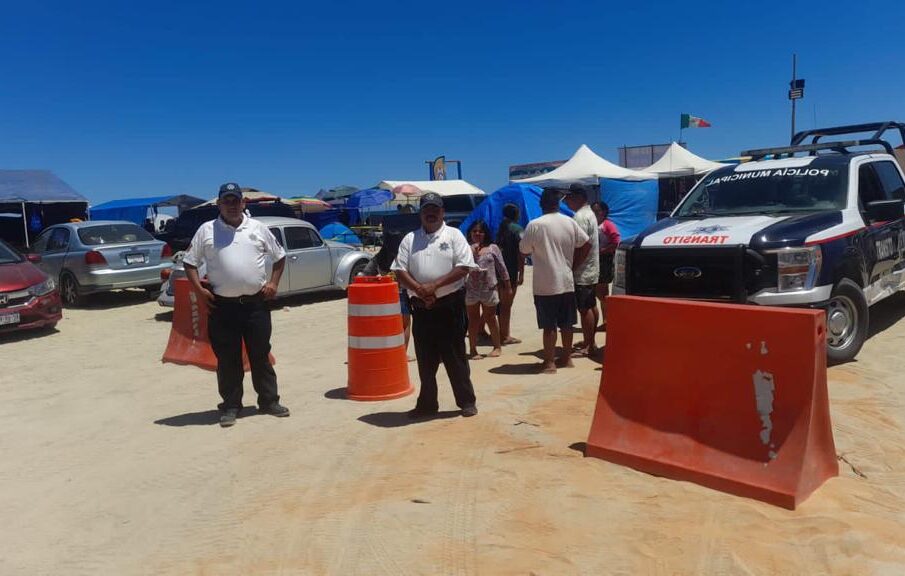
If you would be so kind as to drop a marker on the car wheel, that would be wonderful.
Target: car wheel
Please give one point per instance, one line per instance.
(357, 269)
(69, 290)
(846, 322)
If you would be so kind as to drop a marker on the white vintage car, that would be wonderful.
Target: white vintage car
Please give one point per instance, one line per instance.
(312, 263)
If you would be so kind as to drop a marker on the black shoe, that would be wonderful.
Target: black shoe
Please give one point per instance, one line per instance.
(275, 409)
(417, 413)
(228, 417)
(469, 411)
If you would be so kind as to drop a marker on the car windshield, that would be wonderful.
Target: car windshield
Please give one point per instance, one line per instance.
(113, 234)
(8, 255)
(768, 191)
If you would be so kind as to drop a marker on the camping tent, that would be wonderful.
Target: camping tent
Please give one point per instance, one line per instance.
(631, 195)
(31, 200)
(441, 187)
(677, 161)
(525, 196)
(341, 233)
(585, 167)
(678, 170)
(136, 209)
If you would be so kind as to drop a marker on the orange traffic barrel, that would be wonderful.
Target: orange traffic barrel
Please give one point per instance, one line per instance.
(378, 365)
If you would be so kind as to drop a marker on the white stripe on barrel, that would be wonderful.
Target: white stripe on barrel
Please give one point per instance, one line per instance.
(376, 342)
(375, 309)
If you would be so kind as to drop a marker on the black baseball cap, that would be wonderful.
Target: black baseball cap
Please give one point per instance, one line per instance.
(230, 189)
(578, 190)
(431, 199)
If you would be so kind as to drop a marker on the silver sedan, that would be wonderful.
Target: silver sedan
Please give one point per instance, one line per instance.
(101, 255)
(312, 263)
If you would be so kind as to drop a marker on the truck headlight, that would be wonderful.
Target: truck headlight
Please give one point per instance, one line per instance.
(45, 287)
(798, 268)
(619, 268)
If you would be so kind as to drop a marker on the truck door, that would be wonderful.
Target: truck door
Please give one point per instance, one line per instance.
(882, 243)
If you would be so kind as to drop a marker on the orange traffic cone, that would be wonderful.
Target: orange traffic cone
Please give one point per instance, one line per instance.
(378, 366)
(189, 342)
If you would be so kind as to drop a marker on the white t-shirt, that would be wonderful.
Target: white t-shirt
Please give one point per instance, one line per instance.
(236, 258)
(588, 272)
(429, 257)
(551, 241)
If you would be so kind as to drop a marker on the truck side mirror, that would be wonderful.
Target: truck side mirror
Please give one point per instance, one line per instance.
(885, 210)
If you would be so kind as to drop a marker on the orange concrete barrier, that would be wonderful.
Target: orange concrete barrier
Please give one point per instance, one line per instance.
(378, 365)
(728, 396)
(189, 342)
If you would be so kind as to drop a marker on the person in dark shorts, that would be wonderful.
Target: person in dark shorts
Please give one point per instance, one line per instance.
(586, 271)
(608, 240)
(556, 244)
(508, 236)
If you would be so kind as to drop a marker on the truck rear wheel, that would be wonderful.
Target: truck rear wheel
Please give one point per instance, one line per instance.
(846, 322)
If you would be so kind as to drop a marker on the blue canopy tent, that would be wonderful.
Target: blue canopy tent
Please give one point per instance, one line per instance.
(136, 209)
(341, 233)
(525, 196)
(633, 205)
(31, 200)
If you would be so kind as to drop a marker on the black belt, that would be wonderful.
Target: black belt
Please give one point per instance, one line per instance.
(247, 299)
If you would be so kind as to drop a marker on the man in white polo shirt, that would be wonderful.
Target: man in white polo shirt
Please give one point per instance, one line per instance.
(235, 249)
(432, 264)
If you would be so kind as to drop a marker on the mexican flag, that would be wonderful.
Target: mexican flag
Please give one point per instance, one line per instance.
(689, 121)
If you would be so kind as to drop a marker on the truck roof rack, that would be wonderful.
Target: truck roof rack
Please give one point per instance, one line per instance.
(841, 147)
(878, 129)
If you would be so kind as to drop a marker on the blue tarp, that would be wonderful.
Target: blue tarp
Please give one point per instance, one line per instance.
(35, 186)
(633, 205)
(339, 232)
(525, 196)
(136, 209)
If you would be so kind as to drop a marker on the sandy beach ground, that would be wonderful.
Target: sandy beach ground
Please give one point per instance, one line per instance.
(113, 463)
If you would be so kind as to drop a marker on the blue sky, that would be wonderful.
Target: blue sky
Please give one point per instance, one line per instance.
(133, 99)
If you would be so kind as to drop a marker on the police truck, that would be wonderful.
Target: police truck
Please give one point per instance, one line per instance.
(819, 224)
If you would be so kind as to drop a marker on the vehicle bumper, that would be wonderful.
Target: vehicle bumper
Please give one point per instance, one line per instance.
(813, 297)
(106, 279)
(38, 312)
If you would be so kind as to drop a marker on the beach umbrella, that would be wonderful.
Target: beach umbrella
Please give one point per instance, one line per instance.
(407, 190)
(368, 198)
(309, 205)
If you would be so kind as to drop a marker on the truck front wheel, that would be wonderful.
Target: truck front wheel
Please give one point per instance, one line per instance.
(846, 322)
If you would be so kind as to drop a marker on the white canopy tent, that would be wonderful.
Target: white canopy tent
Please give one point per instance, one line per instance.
(585, 167)
(678, 161)
(441, 187)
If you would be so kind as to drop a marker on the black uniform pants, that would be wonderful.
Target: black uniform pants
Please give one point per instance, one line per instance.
(439, 334)
(229, 324)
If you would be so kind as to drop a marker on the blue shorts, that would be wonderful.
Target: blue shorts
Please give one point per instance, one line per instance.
(404, 303)
(557, 311)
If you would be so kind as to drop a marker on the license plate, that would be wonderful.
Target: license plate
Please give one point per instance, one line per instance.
(9, 318)
(135, 258)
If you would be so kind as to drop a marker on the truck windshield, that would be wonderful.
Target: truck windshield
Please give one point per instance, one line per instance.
(768, 191)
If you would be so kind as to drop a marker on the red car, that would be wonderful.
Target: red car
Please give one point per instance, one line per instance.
(28, 297)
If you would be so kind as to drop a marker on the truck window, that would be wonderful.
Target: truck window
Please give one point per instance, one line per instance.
(869, 189)
(890, 180)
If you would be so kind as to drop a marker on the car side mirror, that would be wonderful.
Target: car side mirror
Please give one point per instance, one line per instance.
(33, 258)
(885, 210)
